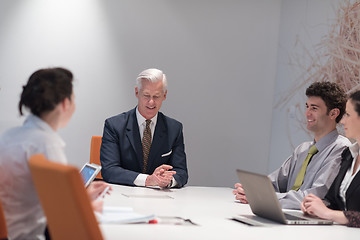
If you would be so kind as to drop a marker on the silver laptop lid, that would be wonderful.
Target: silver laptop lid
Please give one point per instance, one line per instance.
(263, 201)
(261, 196)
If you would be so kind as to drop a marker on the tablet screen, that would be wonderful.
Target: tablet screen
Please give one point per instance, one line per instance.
(87, 172)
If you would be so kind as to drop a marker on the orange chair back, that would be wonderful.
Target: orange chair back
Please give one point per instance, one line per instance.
(64, 200)
(95, 152)
(3, 227)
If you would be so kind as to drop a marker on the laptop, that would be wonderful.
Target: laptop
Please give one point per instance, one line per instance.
(264, 203)
(89, 172)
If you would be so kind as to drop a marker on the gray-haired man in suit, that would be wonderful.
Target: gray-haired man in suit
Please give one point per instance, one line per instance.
(123, 154)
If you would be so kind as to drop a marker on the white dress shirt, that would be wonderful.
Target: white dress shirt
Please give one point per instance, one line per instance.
(141, 178)
(23, 213)
(354, 150)
(142, 124)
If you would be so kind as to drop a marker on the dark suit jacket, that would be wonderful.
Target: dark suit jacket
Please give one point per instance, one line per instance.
(121, 150)
(353, 192)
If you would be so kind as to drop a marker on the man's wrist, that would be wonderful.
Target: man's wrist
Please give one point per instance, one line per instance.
(141, 180)
(170, 184)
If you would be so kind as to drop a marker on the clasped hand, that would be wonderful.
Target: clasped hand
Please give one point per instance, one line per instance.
(161, 177)
(313, 205)
(240, 193)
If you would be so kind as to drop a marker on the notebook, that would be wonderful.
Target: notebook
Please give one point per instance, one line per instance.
(121, 215)
(264, 203)
(89, 172)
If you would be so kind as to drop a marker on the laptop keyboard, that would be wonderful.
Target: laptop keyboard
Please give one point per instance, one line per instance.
(292, 217)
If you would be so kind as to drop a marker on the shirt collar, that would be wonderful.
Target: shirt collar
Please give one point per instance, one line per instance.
(141, 119)
(326, 140)
(354, 149)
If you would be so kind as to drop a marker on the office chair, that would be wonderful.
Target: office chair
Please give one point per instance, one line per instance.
(3, 227)
(64, 200)
(95, 152)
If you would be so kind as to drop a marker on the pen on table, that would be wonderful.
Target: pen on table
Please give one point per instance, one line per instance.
(102, 195)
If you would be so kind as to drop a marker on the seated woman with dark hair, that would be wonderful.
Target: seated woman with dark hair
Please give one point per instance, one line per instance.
(342, 202)
(49, 96)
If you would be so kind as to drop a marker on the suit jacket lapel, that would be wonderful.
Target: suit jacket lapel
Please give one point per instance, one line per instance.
(133, 134)
(159, 140)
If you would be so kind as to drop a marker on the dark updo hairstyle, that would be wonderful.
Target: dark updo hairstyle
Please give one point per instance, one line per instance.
(331, 93)
(355, 100)
(45, 89)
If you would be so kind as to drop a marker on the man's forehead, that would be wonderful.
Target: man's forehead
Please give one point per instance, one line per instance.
(149, 91)
(315, 101)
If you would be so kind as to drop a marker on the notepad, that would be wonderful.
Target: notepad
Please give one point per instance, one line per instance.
(122, 215)
(146, 196)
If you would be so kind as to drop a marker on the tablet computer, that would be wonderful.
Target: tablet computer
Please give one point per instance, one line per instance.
(89, 172)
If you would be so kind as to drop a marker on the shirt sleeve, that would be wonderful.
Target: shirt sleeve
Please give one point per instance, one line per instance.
(173, 183)
(140, 180)
(288, 199)
(279, 178)
(353, 218)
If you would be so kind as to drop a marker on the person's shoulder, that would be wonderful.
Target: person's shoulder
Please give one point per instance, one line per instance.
(342, 141)
(169, 120)
(9, 134)
(24, 136)
(120, 117)
(304, 145)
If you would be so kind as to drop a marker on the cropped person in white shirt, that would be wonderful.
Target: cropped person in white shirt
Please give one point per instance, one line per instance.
(49, 96)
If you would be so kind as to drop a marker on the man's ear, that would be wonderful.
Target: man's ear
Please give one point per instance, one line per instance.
(334, 113)
(165, 94)
(136, 91)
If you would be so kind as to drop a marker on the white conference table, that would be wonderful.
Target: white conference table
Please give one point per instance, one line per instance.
(210, 208)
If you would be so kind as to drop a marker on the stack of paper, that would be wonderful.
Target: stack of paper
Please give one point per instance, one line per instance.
(122, 215)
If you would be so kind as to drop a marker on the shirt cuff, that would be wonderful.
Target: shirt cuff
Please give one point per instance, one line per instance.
(173, 183)
(140, 180)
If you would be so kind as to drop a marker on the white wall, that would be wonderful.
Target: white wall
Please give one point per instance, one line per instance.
(219, 56)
